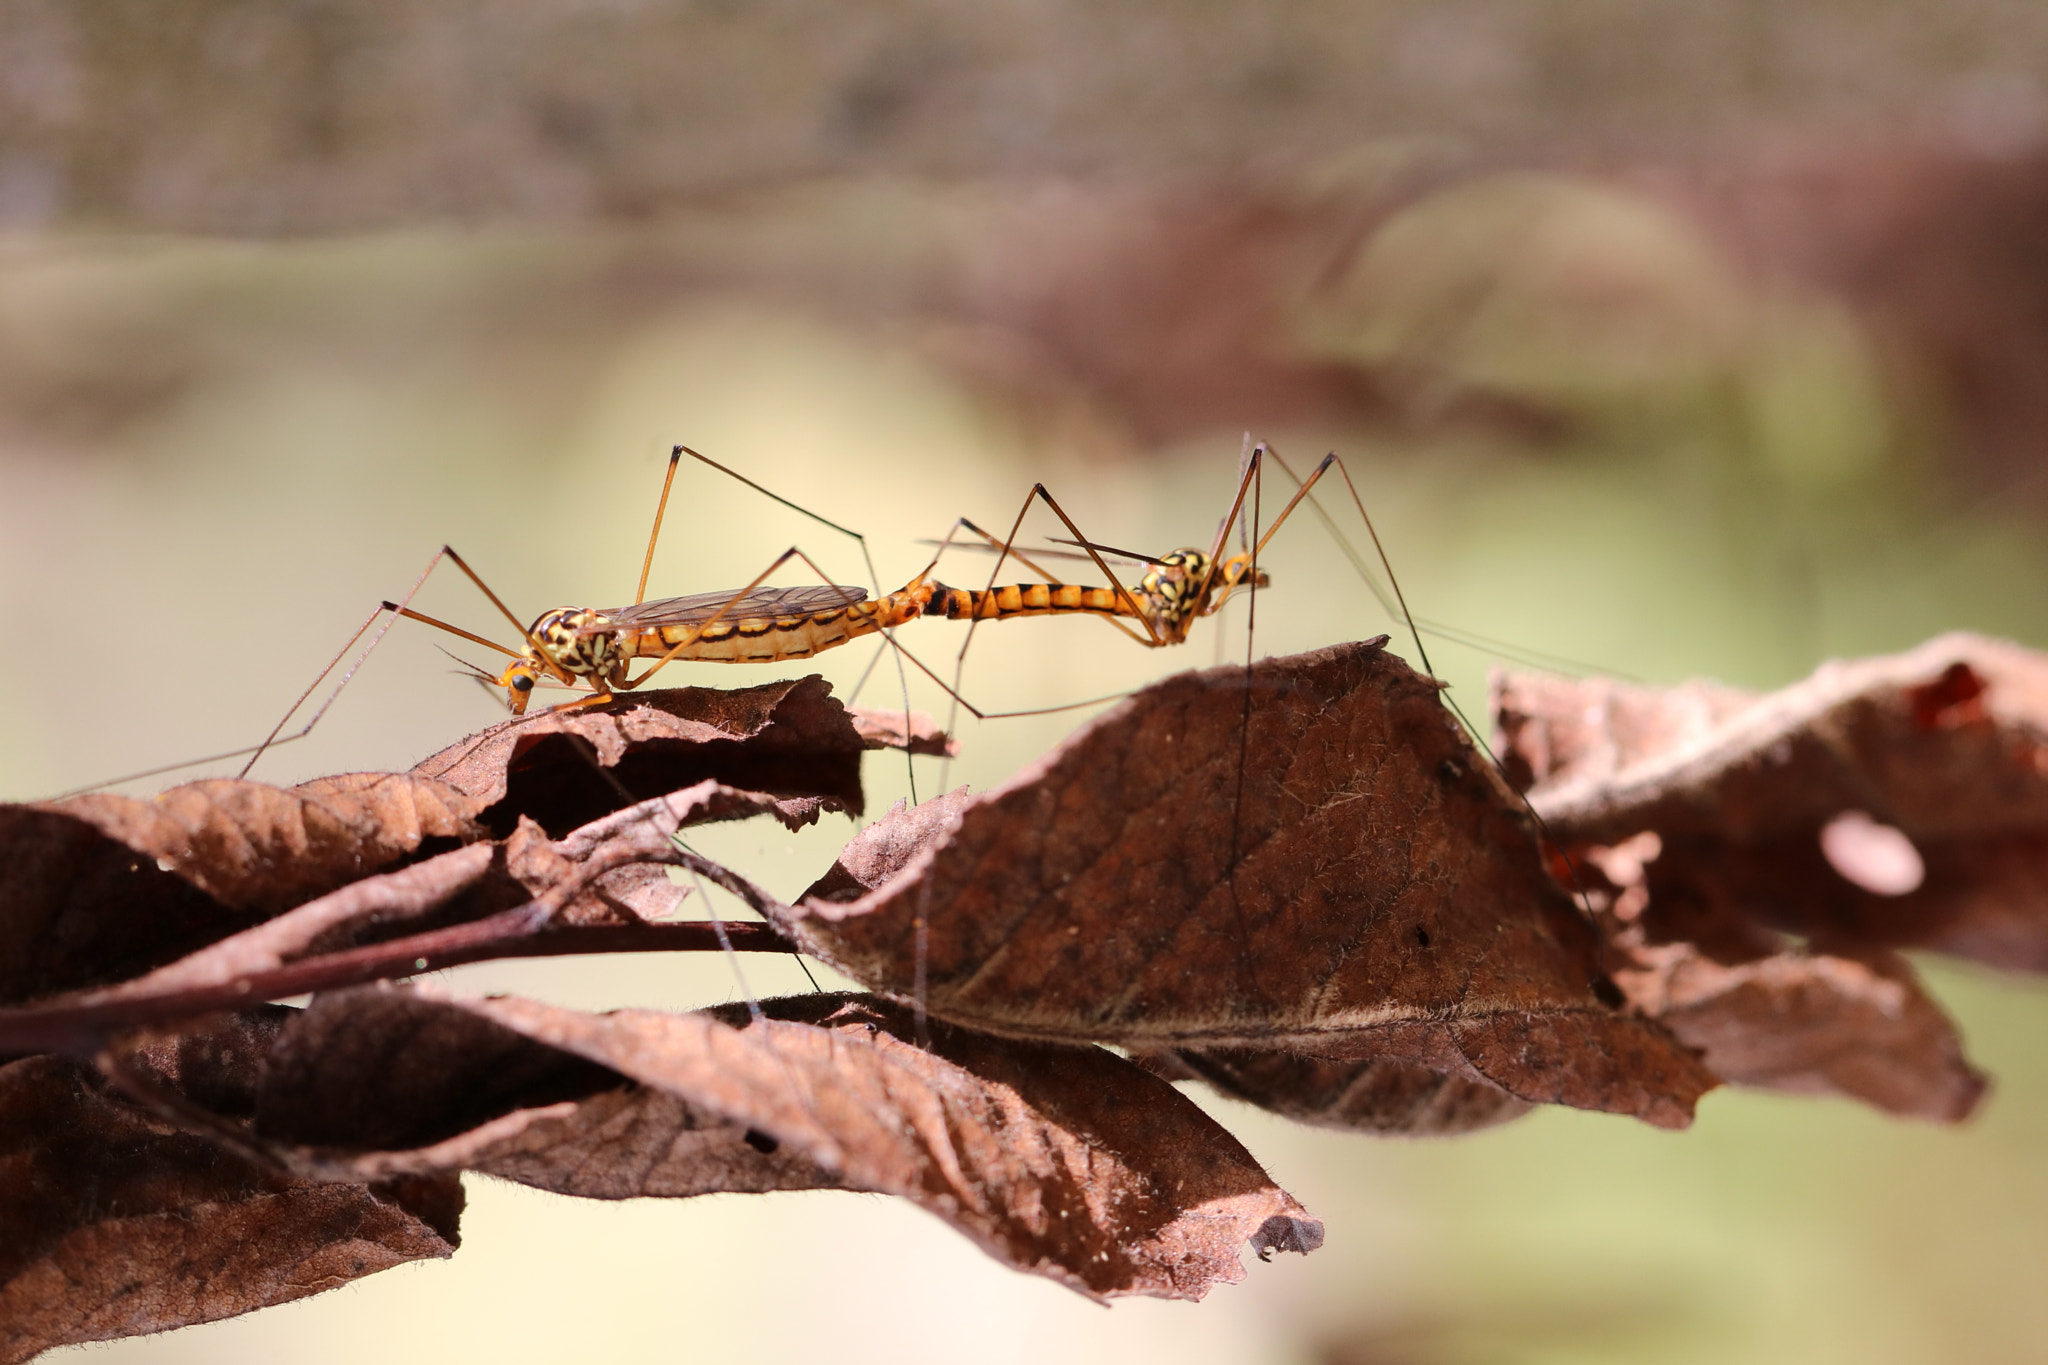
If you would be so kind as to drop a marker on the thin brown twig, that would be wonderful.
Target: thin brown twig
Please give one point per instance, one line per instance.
(79, 1027)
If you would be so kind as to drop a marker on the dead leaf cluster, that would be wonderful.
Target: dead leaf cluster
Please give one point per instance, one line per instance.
(1300, 884)
(1759, 862)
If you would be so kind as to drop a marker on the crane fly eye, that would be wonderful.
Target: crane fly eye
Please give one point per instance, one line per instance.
(522, 682)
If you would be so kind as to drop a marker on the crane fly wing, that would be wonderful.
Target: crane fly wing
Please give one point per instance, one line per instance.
(688, 611)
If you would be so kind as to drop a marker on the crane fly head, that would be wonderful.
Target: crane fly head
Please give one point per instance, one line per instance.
(518, 680)
(1236, 571)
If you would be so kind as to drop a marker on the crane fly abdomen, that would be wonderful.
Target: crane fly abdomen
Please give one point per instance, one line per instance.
(1026, 599)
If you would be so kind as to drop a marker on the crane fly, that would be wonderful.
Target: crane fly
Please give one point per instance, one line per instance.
(581, 647)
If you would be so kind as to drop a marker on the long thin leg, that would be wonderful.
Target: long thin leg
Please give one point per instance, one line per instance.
(1039, 490)
(792, 506)
(1577, 888)
(398, 609)
(1151, 638)
(276, 735)
(1399, 605)
(524, 634)
(1252, 466)
(438, 624)
(271, 740)
(1252, 552)
(874, 579)
(1307, 485)
(1395, 609)
(1006, 552)
(660, 509)
(401, 609)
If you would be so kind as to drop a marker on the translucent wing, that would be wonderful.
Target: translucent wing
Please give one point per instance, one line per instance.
(688, 611)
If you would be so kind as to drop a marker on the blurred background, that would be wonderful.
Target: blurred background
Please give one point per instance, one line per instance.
(1707, 337)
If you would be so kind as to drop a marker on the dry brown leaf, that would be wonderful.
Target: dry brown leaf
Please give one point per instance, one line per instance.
(1947, 744)
(1067, 1162)
(1813, 1024)
(1720, 822)
(117, 1224)
(882, 728)
(1345, 879)
(524, 896)
(100, 888)
(789, 739)
(262, 848)
(105, 888)
(1768, 1013)
(383, 1082)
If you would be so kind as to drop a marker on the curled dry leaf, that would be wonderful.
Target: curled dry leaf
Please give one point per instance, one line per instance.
(789, 739)
(558, 873)
(1777, 1016)
(118, 1223)
(262, 848)
(1881, 804)
(101, 887)
(1068, 1162)
(882, 728)
(1947, 744)
(526, 895)
(1311, 858)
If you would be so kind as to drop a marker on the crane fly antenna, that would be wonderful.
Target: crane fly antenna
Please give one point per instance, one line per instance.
(992, 543)
(469, 669)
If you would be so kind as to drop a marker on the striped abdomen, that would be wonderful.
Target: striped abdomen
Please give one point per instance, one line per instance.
(766, 639)
(1027, 599)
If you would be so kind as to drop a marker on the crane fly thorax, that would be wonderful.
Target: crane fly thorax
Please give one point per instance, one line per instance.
(1182, 585)
(1173, 588)
(578, 639)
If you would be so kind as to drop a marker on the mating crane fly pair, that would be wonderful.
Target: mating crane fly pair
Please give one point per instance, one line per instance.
(578, 647)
